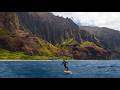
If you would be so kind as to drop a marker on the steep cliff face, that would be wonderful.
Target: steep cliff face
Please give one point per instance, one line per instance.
(43, 34)
(110, 38)
(52, 28)
(9, 21)
(85, 51)
(13, 37)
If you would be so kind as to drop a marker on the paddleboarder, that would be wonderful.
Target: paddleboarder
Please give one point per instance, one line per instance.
(65, 65)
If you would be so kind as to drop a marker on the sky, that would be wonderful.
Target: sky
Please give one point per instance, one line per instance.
(101, 19)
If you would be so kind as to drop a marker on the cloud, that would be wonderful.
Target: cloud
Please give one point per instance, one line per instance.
(101, 19)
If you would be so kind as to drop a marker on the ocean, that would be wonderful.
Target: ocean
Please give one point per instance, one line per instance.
(55, 69)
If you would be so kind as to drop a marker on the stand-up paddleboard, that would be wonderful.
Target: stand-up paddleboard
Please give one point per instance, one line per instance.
(67, 72)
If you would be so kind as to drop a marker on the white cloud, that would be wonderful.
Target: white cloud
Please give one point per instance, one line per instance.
(101, 19)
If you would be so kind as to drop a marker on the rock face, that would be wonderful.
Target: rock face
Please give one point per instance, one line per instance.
(15, 38)
(52, 28)
(9, 21)
(42, 33)
(86, 51)
(109, 38)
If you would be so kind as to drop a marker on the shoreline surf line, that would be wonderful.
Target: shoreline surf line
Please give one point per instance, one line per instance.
(55, 60)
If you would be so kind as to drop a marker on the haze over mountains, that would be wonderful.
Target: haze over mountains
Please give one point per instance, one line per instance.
(44, 34)
(101, 19)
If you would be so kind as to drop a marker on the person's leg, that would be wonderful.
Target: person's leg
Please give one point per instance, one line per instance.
(66, 68)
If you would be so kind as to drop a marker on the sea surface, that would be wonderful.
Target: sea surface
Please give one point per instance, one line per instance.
(55, 69)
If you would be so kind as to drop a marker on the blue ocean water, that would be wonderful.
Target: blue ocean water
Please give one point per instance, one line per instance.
(54, 69)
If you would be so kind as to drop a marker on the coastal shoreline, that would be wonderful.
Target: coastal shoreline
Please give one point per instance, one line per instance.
(54, 60)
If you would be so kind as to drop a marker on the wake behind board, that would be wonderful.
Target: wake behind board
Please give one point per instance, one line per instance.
(67, 72)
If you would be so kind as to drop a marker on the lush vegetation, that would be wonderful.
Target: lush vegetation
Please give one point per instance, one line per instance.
(53, 29)
(5, 54)
(39, 36)
(89, 44)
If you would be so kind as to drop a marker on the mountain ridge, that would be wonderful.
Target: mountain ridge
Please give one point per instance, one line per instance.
(42, 34)
(108, 37)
